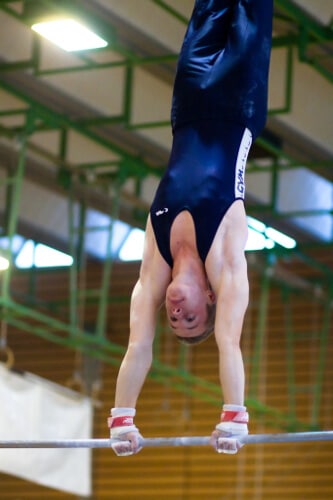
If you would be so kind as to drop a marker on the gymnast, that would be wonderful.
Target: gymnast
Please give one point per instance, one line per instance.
(196, 231)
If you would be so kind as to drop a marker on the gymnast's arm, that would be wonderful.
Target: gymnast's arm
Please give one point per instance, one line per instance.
(147, 297)
(227, 272)
(231, 303)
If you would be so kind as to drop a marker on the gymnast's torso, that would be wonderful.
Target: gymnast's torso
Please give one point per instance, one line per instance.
(219, 105)
(200, 179)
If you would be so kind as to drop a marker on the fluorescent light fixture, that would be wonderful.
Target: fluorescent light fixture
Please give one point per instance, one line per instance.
(255, 240)
(69, 34)
(41, 256)
(97, 234)
(4, 264)
(261, 236)
(133, 246)
(270, 244)
(46, 256)
(280, 238)
(256, 224)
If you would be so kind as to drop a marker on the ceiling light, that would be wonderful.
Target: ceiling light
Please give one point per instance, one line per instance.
(280, 238)
(69, 34)
(261, 236)
(133, 246)
(4, 264)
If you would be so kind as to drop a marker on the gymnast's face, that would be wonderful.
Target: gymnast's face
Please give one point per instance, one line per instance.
(186, 307)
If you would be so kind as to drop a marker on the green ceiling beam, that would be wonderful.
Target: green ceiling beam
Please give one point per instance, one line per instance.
(310, 32)
(175, 13)
(61, 121)
(319, 31)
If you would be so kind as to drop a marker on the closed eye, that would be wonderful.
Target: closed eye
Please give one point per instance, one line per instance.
(189, 319)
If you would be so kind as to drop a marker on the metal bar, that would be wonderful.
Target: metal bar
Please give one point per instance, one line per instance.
(252, 166)
(138, 61)
(172, 441)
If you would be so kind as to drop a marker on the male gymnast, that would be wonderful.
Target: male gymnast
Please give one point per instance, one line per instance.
(196, 231)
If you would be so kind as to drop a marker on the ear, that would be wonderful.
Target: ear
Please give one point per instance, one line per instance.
(211, 296)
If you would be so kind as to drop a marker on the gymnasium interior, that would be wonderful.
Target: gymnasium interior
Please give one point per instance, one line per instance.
(85, 137)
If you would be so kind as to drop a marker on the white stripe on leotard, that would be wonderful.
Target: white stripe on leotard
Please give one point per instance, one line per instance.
(243, 152)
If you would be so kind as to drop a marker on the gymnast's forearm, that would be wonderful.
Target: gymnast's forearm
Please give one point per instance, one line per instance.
(229, 324)
(132, 374)
(231, 371)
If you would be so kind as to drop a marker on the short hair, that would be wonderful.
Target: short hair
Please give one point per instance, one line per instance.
(211, 311)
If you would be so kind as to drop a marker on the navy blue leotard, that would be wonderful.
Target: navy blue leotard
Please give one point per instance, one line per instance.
(219, 105)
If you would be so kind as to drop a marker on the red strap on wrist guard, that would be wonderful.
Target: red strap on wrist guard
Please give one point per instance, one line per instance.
(239, 417)
(120, 421)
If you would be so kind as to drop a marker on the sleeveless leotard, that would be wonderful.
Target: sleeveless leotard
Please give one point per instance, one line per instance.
(219, 105)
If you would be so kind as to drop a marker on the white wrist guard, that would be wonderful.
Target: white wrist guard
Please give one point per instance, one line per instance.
(121, 422)
(233, 421)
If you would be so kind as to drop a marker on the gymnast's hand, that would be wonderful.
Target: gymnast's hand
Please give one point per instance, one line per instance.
(227, 436)
(125, 436)
(127, 444)
(224, 442)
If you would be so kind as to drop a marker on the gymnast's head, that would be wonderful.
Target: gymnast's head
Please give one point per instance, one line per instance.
(191, 311)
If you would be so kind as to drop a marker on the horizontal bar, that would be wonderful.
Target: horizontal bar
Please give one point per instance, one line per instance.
(172, 441)
(292, 437)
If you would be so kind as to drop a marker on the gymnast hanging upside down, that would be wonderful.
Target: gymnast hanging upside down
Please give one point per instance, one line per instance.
(196, 231)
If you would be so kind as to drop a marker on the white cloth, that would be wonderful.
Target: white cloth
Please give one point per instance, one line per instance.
(32, 408)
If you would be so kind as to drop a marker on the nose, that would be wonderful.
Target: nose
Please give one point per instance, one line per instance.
(175, 300)
(176, 311)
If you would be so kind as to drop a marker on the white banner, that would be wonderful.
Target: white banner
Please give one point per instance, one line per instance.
(33, 408)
